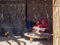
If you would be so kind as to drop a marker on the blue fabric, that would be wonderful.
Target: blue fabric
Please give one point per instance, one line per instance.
(29, 24)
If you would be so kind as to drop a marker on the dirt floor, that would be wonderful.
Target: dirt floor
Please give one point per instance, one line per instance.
(17, 40)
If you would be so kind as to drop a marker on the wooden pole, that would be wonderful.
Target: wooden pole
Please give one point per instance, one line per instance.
(56, 22)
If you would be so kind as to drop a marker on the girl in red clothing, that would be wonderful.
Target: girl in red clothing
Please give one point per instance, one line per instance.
(42, 24)
(45, 25)
(37, 26)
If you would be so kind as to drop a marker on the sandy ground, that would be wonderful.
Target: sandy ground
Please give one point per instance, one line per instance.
(18, 41)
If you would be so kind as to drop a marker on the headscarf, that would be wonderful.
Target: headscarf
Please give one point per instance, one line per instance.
(45, 24)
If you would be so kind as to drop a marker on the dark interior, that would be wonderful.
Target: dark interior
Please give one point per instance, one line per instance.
(15, 15)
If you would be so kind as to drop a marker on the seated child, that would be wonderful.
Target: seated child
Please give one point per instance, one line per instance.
(37, 26)
(42, 24)
(45, 25)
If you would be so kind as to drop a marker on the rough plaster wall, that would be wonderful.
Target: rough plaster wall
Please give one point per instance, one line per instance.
(38, 9)
(12, 13)
(12, 16)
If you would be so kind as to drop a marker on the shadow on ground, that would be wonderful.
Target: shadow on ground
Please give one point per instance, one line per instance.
(10, 38)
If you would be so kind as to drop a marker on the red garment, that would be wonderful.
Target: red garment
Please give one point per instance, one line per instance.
(45, 25)
(38, 24)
